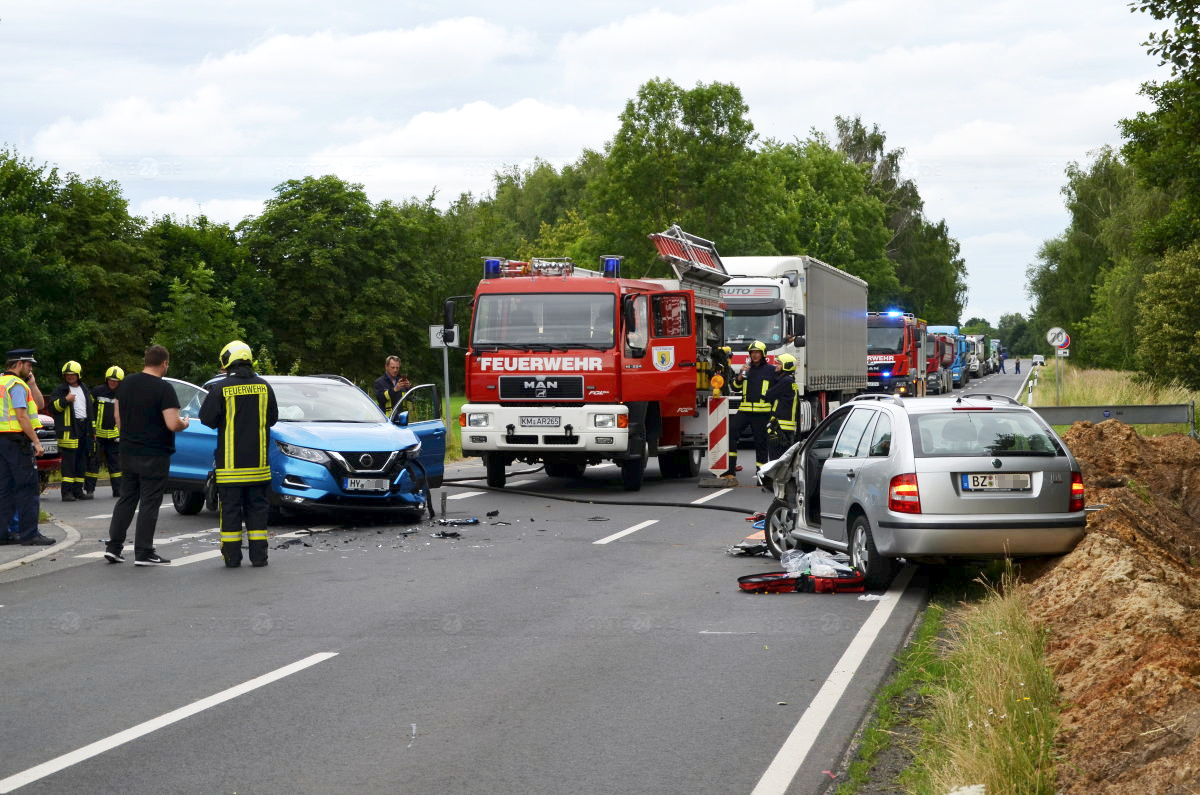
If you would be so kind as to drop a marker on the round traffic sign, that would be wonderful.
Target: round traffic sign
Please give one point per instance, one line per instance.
(1057, 337)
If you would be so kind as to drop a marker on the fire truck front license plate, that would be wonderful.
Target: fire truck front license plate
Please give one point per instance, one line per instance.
(540, 422)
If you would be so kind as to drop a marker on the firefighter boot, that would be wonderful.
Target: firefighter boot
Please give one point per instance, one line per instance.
(231, 551)
(258, 554)
(81, 494)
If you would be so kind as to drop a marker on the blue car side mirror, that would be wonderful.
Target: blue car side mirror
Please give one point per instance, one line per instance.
(402, 419)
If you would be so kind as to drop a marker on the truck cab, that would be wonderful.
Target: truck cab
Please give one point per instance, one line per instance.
(895, 353)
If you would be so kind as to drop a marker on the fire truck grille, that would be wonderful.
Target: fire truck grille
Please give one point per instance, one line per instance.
(541, 387)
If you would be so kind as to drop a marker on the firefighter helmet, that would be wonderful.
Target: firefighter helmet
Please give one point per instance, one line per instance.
(72, 367)
(234, 352)
(114, 373)
(787, 362)
(757, 345)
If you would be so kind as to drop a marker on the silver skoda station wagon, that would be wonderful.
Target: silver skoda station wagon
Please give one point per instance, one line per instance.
(926, 479)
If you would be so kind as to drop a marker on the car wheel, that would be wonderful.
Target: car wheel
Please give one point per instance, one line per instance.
(866, 557)
(495, 470)
(777, 529)
(187, 502)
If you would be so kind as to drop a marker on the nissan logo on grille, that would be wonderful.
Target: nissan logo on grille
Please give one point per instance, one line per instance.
(366, 461)
(541, 387)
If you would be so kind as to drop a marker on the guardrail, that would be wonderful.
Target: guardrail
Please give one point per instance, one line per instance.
(1184, 413)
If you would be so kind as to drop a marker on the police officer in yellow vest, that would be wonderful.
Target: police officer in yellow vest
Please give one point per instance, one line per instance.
(752, 382)
(242, 408)
(20, 399)
(783, 395)
(107, 434)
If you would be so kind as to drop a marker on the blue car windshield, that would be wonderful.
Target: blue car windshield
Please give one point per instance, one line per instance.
(318, 402)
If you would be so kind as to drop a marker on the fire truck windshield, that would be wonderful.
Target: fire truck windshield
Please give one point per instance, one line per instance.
(885, 339)
(561, 320)
(743, 326)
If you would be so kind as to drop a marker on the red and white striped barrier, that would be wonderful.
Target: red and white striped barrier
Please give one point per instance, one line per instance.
(718, 435)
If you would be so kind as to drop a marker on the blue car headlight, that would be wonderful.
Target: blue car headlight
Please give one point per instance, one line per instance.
(303, 453)
(412, 452)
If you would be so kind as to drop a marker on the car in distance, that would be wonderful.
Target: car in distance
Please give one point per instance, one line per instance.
(928, 480)
(1039, 359)
(332, 448)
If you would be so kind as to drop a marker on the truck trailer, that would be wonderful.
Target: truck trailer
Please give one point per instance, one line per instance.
(809, 309)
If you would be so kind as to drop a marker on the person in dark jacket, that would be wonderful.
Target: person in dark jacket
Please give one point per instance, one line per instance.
(390, 386)
(242, 408)
(752, 382)
(74, 412)
(784, 400)
(107, 434)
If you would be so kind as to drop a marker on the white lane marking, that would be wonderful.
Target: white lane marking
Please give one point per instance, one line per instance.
(520, 482)
(463, 495)
(199, 556)
(142, 729)
(626, 531)
(712, 496)
(158, 542)
(166, 501)
(778, 777)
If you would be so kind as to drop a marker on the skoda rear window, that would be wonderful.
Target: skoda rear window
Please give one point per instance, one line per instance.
(982, 433)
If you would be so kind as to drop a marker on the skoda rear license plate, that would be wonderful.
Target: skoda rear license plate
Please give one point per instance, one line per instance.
(540, 422)
(49, 446)
(366, 484)
(995, 481)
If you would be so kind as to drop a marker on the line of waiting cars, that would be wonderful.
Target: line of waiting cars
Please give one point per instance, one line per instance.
(332, 449)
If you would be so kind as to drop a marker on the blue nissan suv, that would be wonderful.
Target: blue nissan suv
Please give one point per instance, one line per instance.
(332, 448)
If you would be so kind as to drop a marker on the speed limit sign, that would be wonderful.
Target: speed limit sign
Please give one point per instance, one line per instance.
(1058, 338)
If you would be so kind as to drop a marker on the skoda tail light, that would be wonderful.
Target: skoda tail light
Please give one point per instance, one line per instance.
(903, 496)
(1076, 493)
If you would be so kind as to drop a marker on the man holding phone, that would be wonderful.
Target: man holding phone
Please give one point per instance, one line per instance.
(391, 385)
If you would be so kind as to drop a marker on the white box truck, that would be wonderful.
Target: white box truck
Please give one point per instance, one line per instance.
(805, 307)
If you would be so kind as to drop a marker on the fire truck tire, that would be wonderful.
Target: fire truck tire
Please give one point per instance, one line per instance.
(679, 464)
(495, 470)
(565, 469)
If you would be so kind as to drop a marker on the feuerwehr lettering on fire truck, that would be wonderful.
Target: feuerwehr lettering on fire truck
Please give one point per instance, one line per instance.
(540, 364)
(664, 357)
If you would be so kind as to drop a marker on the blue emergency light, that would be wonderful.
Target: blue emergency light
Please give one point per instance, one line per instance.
(611, 266)
(491, 267)
(895, 313)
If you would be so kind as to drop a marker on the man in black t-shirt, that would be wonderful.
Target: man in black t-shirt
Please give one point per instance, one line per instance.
(147, 416)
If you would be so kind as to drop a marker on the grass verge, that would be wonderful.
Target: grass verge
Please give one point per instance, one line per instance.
(971, 702)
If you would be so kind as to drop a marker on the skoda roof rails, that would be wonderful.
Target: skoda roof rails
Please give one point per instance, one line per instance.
(878, 396)
(990, 396)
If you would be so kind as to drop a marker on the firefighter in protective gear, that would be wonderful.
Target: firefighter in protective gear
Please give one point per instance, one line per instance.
(242, 408)
(106, 433)
(752, 382)
(784, 398)
(74, 413)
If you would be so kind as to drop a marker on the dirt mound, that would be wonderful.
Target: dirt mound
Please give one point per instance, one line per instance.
(1121, 610)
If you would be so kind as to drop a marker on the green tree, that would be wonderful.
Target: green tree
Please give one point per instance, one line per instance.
(195, 324)
(828, 214)
(1168, 338)
(680, 156)
(931, 273)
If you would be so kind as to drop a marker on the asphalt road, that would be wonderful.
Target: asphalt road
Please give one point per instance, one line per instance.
(554, 647)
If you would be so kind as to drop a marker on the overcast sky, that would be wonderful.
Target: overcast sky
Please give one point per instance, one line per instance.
(206, 107)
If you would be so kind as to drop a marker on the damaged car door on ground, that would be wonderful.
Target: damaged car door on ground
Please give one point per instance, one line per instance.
(332, 448)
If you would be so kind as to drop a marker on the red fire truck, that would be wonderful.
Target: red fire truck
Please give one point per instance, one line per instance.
(895, 353)
(571, 367)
